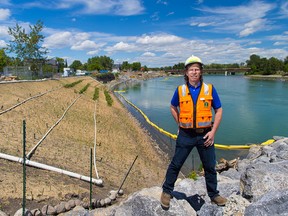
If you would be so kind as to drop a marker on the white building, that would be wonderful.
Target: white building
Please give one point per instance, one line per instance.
(67, 72)
(80, 73)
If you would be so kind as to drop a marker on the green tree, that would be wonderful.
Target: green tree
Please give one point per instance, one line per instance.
(145, 68)
(15, 62)
(179, 66)
(275, 65)
(125, 66)
(263, 67)
(286, 60)
(93, 64)
(27, 46)
(4, 59)
(106, 62)
(286, 64)
(254, 63)
(136, 66)
(76, 65)
(85, 66)
(61, 64)
(100, 63)
(166, 68)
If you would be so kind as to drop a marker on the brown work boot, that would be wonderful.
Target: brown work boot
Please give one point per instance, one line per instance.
(165, 200)
(219, 200)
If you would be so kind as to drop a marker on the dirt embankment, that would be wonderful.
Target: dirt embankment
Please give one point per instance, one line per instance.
(119, 140)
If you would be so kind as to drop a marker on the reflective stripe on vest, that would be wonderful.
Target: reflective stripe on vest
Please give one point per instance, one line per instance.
(202, 116)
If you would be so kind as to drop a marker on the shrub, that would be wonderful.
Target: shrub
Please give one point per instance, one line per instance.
(105, 77)
(193, 175)
(108, 98)
(70, 85)
(84, 88)
(96, 94)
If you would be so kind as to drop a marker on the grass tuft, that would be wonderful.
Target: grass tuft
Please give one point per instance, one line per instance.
(108, 98)
(84, 88)
(70, 85)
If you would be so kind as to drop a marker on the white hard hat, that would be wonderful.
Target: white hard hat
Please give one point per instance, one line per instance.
(193, 59)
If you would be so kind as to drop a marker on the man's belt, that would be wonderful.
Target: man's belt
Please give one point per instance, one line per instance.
(201, 130)
(196, 130)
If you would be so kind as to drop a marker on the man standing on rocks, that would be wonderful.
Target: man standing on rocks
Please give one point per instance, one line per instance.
(195, 100)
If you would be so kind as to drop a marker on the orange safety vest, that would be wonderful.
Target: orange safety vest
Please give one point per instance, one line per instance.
(197, 115)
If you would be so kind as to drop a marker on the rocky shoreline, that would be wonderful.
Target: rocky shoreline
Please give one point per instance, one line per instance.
(256, 186)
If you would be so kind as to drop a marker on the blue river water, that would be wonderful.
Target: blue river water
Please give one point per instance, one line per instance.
(253, 110)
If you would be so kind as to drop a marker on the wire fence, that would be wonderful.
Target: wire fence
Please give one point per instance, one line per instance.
(24, 73)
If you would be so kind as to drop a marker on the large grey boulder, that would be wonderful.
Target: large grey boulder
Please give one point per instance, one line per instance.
(2, 213)
(266, 171)
(189, 189)
(147, 203)
(272, 203)
(263, 178)
(20, 211)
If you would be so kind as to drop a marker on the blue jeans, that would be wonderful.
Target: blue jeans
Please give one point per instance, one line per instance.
(185, 142)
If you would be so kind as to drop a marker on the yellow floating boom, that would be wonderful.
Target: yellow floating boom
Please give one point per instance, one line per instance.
(174, 136)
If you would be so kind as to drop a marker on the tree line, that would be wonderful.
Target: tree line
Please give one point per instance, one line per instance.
(28, 51)
(256, 65)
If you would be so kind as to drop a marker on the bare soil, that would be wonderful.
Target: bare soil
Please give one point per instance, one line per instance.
(119, 140)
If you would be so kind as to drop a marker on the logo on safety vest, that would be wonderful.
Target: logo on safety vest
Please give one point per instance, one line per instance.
(206, 104)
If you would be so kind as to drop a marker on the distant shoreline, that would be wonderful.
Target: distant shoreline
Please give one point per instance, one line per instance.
(268, 77)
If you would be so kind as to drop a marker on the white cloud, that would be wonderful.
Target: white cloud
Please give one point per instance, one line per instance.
(84, 45)
(253, 10)
(158, 39)
(121, 46)
(94, 52)
(3, 44)
(149, 54)
(243, 20)
(4, 14)
(280, 43)
(81, 36)
(205, 24)
(254, 42)
(252, 26)
(116, 7)
(129, 7)
(279, 39)
(168, 55)
(74, 41)
(4, 31)
(284, 8)
(59, 40)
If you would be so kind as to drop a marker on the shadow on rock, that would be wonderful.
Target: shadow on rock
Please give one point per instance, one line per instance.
(195, 201)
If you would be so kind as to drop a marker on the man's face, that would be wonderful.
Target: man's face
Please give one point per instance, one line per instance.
(194, 72)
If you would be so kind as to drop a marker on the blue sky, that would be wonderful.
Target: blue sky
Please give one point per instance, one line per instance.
(154, 32)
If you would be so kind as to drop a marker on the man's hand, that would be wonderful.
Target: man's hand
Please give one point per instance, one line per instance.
(209, 139)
